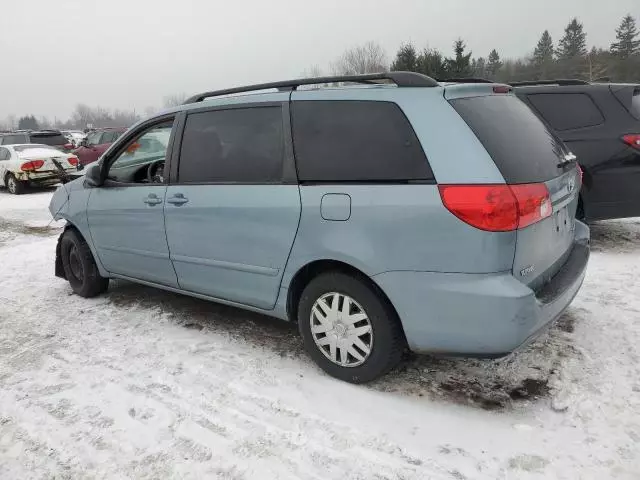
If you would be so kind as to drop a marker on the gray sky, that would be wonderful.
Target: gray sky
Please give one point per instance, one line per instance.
(131, 53)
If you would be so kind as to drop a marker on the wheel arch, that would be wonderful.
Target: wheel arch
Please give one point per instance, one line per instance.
(317, 267)
(71, 226)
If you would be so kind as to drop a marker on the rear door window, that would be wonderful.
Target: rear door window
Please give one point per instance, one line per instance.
(356, 141)
(567, 111)
(522, 147)
(239, 145)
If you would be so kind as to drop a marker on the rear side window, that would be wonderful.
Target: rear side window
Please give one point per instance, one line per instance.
(356, 141)
(14, 139)
(243, 145)
(567, 111)
(522, 147)
(49, 139)
(635, 103)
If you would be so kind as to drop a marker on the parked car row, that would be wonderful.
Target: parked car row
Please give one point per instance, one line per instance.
(438, 217)
(60, 155)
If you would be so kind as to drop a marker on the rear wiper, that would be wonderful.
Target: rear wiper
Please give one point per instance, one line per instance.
(568, 159)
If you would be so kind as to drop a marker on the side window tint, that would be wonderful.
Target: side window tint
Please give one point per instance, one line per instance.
(235, 145)
(142, 159)
(356, 141)
(567, 111)
(94, 138)
(107, 137)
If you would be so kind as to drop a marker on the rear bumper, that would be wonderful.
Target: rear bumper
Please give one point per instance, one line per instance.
(45, 178)
(481, 314)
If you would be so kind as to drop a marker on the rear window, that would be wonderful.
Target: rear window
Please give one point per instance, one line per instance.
(635, 103)
(356, 141)
(567, 111)
(13, 139)
(49, 139)
(522, 147)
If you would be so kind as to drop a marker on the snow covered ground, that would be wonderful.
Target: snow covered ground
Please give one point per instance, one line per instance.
(146, 384)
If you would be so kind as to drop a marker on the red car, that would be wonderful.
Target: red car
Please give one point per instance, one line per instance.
(97, 143)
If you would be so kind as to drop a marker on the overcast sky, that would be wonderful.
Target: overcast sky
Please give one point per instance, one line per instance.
(131, 53)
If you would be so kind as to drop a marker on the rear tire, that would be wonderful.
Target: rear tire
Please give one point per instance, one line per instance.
(356, 343)
(15, 186)
(80, 267)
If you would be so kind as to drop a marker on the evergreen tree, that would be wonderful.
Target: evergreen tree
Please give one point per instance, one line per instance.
(479, 67)
(406, 59)
(494, 63)
(543, 54)
(28, 122)
(460, 66)
(432, 63)
(574, 42)
(627, 43)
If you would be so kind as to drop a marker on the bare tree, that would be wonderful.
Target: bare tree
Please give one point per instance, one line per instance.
(174, 100)
(367, 58)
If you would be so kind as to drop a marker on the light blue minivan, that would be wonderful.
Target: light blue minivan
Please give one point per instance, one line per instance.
(385, 212)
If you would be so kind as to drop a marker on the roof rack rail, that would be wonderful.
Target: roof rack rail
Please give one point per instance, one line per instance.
(465, 80)
(560, 82)
(401, 79)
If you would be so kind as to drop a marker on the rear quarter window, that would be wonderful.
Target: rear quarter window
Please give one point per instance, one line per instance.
(356, 141)
(567, 111)
(520, 144)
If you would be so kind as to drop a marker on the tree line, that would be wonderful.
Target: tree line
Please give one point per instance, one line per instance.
(84, 116)
(569, 58)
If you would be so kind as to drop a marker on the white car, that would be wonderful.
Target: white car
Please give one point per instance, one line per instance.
(34, 164)
(74, 136)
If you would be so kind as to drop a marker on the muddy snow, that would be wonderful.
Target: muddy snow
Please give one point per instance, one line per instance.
(141, 383)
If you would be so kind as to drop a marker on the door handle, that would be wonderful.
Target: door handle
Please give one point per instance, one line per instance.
(152, 199)
(178, 199)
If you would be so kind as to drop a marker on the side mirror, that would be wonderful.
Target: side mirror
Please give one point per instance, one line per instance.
(82, 143)
(92, 176)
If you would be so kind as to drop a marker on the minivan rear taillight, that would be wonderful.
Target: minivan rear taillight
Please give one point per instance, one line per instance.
(497, 208)
(632, 141)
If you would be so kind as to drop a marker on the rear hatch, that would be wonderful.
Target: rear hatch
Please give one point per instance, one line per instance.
(526, 152)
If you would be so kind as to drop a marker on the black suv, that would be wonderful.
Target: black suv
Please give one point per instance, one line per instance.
(600, 123)
(54, 138)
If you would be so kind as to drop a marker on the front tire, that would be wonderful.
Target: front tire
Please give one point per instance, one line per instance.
(348, 329)
(80, 267)
(15, 186)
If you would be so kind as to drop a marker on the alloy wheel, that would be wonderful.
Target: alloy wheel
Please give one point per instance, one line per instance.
(341, 329)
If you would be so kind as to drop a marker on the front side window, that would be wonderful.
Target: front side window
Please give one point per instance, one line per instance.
(356, 141)
(243, 145)
(142, 159)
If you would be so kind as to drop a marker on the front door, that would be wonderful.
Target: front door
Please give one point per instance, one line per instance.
(231, 217)
(126, 218)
